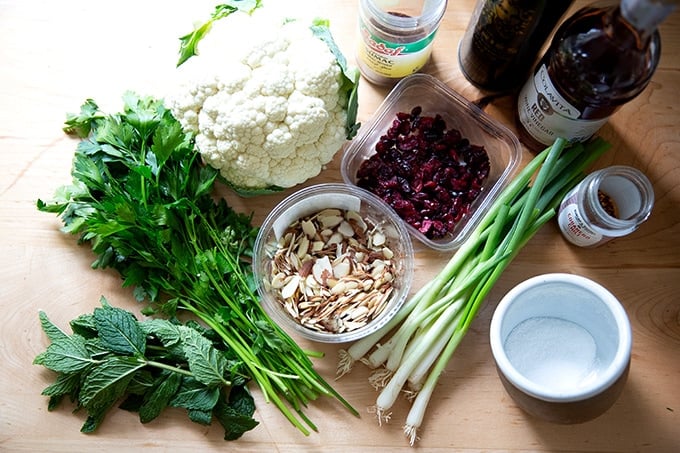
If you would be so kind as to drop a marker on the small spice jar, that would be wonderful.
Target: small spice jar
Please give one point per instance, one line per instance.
(396, 36)
(607, 204)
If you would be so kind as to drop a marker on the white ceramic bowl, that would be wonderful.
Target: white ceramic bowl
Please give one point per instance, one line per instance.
(562, 346)
(311, 200)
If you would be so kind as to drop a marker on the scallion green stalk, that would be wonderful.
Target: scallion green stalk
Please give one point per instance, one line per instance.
(420, 341)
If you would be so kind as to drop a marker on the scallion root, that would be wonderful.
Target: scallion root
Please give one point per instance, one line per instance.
(379, 378)
(345, 363)
(381, 415)
(411, 434)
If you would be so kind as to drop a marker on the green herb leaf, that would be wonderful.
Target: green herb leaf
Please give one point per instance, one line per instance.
(149, 213)
(193, 395)
(271, 337)
(167, 332)
(67, 355)
(53, 332)
(236, 414)
(84, 326)
(66, 384)
(148, 383)
(107, 382)
(86, 170)
(205, 362)
(201, 417)
(81, 124)
(119, 331)
(159, 397)
(142, 382)
(166, 140)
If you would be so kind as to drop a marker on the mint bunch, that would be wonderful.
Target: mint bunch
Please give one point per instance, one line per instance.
(111, 358)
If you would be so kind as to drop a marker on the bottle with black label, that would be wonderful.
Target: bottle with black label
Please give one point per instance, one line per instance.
(503, 39)
(600, 58)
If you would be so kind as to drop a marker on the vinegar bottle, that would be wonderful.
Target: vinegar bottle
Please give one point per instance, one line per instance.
(600, 58)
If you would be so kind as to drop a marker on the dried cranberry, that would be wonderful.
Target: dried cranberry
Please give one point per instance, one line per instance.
(429, 174)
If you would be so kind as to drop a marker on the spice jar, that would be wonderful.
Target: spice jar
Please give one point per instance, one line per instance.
(607, 204)
(396, 37)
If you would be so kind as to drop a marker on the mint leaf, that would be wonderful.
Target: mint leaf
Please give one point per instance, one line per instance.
(107, 382)
(67, 355)
(84, 326)
(119, 331)
(165, 331)
(200, 417)
(142, 381)
(158, 399)
(149, 365)
(93, 421)
(205, 362)
(193, 395)
(103, 387)
(53, 332)
(66, 384)
(236, 414)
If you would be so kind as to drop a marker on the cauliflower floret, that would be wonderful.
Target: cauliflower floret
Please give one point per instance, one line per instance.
(190, 99)
(274, 117)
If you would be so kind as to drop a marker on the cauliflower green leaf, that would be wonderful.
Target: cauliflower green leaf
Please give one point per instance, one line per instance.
(350, 84)
(189, 43)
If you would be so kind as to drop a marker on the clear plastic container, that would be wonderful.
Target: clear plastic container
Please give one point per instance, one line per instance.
(309, 201)
(607, 204)
(501, 145)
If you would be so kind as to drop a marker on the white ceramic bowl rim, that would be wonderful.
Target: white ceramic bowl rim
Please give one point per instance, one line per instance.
(606, 378)
(342, 196)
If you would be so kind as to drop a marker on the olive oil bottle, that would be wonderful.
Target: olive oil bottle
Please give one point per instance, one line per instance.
(503, 39)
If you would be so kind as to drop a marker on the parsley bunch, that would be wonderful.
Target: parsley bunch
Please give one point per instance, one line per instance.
(142, 198)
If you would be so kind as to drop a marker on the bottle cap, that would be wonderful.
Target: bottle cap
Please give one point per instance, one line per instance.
(647, 14)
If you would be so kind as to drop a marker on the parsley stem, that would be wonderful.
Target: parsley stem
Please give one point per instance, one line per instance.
(143, 198)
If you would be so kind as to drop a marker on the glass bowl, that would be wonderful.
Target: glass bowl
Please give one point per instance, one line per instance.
(333, 263)
(434, 97)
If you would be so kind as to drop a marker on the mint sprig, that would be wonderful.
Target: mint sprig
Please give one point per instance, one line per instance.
(146, 366)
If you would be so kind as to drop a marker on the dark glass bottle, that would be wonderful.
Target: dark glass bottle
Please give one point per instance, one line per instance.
(600, 58)
(503, 39)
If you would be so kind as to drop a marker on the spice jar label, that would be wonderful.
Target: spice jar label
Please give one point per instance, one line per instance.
(393, 59)
(574, 227)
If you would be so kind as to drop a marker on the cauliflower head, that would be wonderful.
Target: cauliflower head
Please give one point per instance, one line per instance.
(274, 116)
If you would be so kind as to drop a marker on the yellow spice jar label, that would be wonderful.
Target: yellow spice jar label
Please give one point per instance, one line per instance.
(393, 59)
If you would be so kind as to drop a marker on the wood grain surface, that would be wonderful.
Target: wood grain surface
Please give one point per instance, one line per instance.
(55, 54)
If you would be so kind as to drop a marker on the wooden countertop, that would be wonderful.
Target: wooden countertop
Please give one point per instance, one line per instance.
(54, 55)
